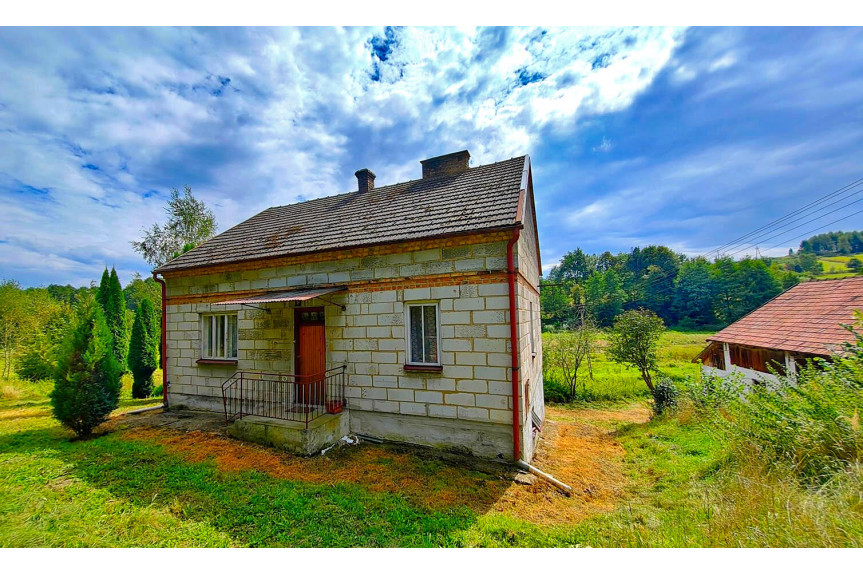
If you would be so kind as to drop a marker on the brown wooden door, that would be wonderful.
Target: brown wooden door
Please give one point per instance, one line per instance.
(310, 360)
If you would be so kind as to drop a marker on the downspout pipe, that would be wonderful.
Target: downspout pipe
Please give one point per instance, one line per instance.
(513, 334)
(164, 354)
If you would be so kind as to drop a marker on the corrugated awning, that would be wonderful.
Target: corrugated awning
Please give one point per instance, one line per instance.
(282, 296)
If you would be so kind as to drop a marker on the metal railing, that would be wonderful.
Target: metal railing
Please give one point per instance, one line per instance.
(300, 398)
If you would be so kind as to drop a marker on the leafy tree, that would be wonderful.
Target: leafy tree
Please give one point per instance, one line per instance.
(652, 272)
(87, 379)
(574, 266)
(694, 294)
(140, 289)
(14, 316)
(68, 294)
(854, 264)
(43, 334)
(568, 351)
(555, 304)
(634, 340)
(144, 350)
(604, 296)
(190, 222)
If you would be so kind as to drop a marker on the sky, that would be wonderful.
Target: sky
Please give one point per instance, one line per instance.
(682, 137)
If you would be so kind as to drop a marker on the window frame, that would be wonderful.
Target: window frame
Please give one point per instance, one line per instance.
(532, 330)
(205, 345)
(408, 359)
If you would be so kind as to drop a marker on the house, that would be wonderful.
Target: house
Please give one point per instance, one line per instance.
(407, 312)
(801, 323)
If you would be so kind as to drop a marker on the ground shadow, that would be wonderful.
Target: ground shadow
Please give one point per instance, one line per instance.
(365, 496)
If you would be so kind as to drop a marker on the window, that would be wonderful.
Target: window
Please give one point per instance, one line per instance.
(531, 329)
(219, 335)
(422, 334)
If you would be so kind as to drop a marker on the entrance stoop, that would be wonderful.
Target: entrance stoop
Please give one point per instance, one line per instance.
(292, 435)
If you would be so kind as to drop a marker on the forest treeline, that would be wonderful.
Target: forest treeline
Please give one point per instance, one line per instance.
(33, 321)
(833, 243)
(685, 292)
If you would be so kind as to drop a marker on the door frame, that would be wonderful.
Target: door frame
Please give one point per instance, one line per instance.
(297, 314)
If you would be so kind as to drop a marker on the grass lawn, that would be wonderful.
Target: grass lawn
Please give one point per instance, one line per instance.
(615, 382)
(637, 482)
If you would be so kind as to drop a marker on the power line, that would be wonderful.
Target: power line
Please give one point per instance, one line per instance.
(771, 228)
(783, 218)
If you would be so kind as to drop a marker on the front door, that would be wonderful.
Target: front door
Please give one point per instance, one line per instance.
(310, 358)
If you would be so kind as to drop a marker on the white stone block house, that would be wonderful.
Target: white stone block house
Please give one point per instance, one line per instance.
(802, 323)
(408, 312)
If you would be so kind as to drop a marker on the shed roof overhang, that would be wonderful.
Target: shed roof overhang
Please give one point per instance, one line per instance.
(283, 296)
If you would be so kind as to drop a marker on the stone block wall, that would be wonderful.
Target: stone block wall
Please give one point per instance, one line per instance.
(470, 395)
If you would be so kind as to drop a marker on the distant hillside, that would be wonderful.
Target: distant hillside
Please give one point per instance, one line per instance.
(833, 243)
(821, 267)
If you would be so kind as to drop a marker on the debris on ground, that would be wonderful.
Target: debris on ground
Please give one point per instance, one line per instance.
(346, 440)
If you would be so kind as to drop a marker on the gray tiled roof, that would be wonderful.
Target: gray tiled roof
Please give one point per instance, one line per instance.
(481, 198)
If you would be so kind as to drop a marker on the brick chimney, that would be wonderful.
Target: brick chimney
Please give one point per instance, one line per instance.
(365, 179)
(446, 165)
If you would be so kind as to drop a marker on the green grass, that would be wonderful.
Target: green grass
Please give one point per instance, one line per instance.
(682, 485)
(613, 382)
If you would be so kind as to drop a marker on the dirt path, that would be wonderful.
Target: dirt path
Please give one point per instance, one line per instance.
(578, 447)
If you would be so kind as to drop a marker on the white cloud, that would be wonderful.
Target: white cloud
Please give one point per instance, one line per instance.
(101, 119)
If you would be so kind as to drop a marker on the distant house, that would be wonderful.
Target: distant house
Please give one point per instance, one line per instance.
(802, 323)
(408, 312)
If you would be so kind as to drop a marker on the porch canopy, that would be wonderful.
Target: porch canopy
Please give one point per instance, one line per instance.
(283, 296)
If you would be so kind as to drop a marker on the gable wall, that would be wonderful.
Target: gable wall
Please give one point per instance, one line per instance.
(530, 355)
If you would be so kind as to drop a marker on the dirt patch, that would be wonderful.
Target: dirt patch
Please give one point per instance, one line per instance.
(580, 454)
(573, 449)
(25, 413)
(425, 480)
(634, 413)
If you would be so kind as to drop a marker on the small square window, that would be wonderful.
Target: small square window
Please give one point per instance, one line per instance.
(219, 336)
(422, 334)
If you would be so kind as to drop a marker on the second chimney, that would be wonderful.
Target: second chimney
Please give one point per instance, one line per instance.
(446, 165)
(365, 179)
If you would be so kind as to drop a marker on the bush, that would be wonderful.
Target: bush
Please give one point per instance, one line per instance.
(665, 395)
(37, 361)
(809, 423)
(554, 391)
(87, 380)
(710, 393)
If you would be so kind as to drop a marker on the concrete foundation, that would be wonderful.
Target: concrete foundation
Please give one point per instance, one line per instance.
(291, 435)
(487, 440)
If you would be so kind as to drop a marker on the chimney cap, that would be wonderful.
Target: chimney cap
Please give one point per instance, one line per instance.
(365, 180)
(453, 155)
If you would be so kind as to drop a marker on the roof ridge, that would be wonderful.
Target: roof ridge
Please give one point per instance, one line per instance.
(344, 194)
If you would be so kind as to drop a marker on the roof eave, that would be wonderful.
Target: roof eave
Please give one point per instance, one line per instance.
(165, 267)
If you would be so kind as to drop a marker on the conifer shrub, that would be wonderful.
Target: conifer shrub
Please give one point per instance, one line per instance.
(87, 379)
(143, 350)
(113, 303)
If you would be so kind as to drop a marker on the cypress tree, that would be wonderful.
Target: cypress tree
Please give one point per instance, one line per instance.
(143, 350)
(102, 292)
(87, 379)
(115, 317)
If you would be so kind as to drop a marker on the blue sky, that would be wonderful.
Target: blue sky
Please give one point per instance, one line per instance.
(688, 138)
